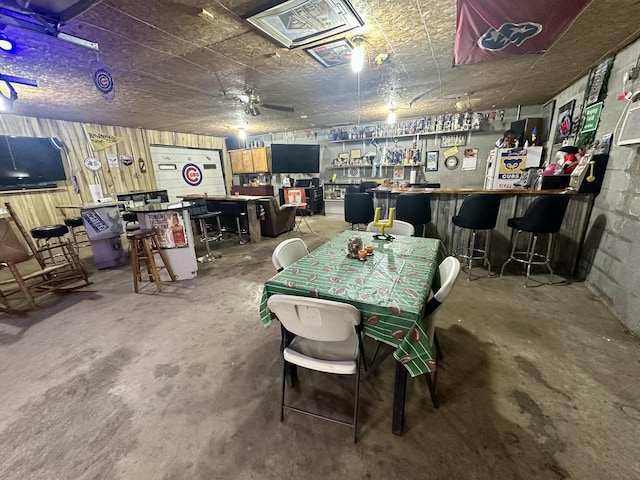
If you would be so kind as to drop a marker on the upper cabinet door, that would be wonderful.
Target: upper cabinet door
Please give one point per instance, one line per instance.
(236, 161)
(247, 161)
(260, 159)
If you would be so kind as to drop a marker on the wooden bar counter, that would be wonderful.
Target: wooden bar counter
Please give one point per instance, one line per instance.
(445, 203)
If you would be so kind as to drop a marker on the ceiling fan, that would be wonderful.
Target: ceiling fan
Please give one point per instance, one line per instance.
(251, 102)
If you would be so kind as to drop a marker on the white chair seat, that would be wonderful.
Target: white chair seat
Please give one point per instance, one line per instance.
(399, 228)
(330, 357)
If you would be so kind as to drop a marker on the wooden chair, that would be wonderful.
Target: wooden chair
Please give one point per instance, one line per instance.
(26, 272)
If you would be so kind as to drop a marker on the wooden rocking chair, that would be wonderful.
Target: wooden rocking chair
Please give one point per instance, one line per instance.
(28, 272)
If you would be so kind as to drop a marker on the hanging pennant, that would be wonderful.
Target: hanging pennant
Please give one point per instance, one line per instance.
(100, 140)
(103, 80)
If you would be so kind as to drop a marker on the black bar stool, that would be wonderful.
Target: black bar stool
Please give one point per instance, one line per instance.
(198, 211)
(144, 245)
(478, 212)
(130, 221)
(230, 211)
(414, 208)
(544, 216)
(358, 209)
(45, 235)
(76, 229)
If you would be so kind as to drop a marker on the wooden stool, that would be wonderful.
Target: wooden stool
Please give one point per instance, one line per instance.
(144, 244)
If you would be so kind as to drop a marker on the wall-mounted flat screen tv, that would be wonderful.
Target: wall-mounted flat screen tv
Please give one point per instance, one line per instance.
(27, 162)
(287, 158)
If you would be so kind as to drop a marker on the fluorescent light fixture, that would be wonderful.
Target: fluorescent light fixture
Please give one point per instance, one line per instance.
(167, 166)
(78, 41)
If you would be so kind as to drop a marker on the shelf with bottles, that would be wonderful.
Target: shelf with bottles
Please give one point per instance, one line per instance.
(432, 125)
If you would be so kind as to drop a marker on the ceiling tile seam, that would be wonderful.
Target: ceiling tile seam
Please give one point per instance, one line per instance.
(433, 55)
(384, 35)
(205, 47)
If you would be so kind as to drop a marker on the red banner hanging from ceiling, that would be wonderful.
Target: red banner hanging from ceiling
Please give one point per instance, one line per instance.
(489, 30)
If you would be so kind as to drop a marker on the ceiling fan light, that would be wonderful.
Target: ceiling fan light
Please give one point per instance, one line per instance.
(467, 104)
(391, 118)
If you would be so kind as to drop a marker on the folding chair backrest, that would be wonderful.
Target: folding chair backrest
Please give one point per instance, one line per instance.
(448, 271)
(288, 252)
(399, 228)
(316, 319)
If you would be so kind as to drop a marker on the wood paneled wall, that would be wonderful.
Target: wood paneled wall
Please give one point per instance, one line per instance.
(37, 208)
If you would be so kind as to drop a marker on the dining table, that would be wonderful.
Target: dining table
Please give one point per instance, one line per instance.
(390, 289)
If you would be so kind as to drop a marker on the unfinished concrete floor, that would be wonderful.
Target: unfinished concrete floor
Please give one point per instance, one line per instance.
(538, 383)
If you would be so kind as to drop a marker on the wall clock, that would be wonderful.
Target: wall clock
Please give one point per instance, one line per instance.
(451, 162)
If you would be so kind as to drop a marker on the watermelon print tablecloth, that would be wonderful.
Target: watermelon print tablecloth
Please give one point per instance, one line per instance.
(390, 289)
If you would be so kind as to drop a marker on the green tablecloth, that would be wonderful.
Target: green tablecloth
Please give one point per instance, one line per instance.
(390, 289)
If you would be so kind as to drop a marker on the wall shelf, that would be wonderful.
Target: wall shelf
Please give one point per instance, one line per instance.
(405, 136)
(334, 167)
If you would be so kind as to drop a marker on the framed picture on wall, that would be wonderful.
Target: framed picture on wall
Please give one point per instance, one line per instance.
(564, 124)
(547, 119)
(431, 164)
(458, 140)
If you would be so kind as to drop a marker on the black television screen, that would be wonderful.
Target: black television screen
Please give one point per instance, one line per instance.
(287, 158)
(29, 161)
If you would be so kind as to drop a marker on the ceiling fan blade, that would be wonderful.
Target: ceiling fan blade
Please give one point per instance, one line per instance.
(278, 107)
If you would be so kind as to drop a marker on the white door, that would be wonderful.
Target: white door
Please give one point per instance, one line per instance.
(187, 171)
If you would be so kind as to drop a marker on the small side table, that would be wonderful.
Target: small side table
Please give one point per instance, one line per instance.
(300, 218)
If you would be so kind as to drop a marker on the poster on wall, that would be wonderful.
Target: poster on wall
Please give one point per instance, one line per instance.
(431, 164)
(470, 159)
(398, 173)
(112, 160)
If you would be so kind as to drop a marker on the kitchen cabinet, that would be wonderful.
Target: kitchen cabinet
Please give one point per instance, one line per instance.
(250, 160)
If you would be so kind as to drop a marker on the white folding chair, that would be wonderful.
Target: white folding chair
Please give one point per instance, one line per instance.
(399, 228)
(326, 339)
(288, 252)
(448, 272)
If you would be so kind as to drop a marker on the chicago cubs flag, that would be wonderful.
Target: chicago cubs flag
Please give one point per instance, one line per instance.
(489, 30)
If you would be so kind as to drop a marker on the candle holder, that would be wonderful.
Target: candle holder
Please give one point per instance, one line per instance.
(382, 225)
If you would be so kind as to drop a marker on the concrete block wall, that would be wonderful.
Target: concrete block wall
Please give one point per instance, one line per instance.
(611, 256)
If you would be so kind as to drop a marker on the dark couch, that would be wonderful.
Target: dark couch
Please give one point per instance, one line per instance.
(277, 219)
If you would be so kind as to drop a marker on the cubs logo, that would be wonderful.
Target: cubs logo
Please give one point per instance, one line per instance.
(192, 174)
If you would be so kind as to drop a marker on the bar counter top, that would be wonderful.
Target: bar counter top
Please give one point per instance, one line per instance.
(467, 191)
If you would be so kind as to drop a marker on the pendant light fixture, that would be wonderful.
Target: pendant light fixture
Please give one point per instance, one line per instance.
(357, 55)
(391, 118)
